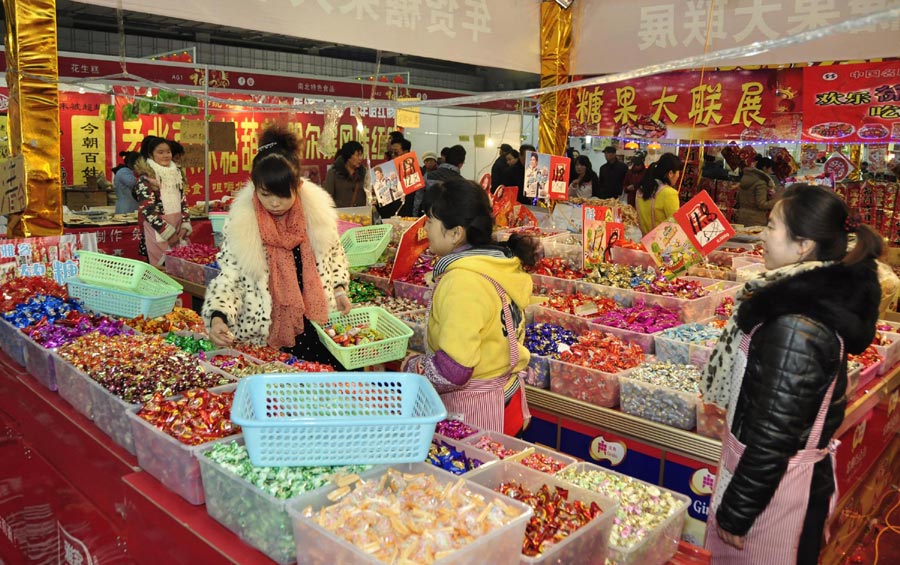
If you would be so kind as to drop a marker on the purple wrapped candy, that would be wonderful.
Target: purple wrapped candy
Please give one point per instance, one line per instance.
(640, 318)
(455, 429)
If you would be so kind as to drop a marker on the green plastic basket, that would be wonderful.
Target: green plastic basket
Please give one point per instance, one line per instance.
(391, 348)
(121, 302)
(119, 273)
(365, 245)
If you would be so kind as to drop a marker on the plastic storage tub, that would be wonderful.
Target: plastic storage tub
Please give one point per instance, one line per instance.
(890, 353)
(39, 362)
(658, 403)
(336, 418)
(697, 309)
(581, 383)
(660, 543)
(472, 452)
(868, 374)
(623, 296)
(576, 324)
(543, 282)
(634, 257)
(381, 283)
(74, 386)
(255, 516)
(217, 221)
(419, 293)
(190, 271)
(317, 545)
(647, 342)
(562, 458)
(539, 371)
(711, 420)
(521, 448)
(588, 544)
(391, 348)
(572, 253)
(13, 342)
(417, 341)
(682, 352)
(171, 462)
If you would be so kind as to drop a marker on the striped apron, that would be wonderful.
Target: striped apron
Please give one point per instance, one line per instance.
(481, 402)
(775, 535)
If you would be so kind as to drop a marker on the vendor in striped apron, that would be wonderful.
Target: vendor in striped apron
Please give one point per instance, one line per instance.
(475, 326)
(779, 375)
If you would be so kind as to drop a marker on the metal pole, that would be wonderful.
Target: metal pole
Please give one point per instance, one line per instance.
(206, 134)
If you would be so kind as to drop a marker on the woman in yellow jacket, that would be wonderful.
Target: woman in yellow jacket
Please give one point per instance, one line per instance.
(658, 200)
(476, 324)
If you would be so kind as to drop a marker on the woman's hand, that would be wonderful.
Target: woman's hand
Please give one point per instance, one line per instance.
(176, 237)
(220, 334)
(343, 303)
(734, 541)
(182, 233)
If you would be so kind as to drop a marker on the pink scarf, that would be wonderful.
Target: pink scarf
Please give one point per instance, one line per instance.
(288, 304)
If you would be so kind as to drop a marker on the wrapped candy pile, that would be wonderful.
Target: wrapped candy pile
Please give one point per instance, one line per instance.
(555, 517)
(145, 365)
(40, 308)
(640, 318)
(266, 353)
(678, 287)
(442, 454)
(455, 429)
(603, 352)
(545, 339)
(621, 276)
(376, 517)
(197, 417)
(199, 253)
(360, 291)
(543, 463)
(393, 304)
(349, 336)
(555, 267)
(178, 320)
(381, 270)
(424, 265)
(642, 507)
(18, 290)
(191, 343)
(579, 304)
(74, 325)
(489, 444)
(868, 357)
(671, 397)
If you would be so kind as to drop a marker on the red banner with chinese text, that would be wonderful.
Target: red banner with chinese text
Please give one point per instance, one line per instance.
(734, 105)
(852, 103)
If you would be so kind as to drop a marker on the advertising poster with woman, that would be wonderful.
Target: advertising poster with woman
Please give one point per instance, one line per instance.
(391, 180)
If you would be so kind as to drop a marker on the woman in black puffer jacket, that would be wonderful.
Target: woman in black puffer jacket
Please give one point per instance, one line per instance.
(782, 357)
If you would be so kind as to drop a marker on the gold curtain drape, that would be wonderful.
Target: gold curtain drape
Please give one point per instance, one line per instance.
(556, 48)
(32, 74)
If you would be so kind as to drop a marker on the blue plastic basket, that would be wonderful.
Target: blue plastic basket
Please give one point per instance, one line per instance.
(307, 419)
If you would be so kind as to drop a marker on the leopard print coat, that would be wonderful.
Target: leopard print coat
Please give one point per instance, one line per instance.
(241, 291)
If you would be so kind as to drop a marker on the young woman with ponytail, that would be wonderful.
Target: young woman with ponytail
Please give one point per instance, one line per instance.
(779, 374)
(658, 199)
(476, 325)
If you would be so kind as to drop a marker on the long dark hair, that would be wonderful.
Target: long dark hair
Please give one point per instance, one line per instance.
(589, 174)
(150, 143)
(819, 215)
(464, 203)
(276, 167)
(129, 158)
(659, 171)
(349, 149)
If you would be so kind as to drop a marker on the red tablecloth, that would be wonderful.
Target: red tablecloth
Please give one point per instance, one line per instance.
(124, 240)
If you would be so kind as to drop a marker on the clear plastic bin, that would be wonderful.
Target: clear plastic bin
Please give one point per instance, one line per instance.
(624, 297)
(562, 458)
(590, 385)
(853, 381)
(697, 309)
(421, 294)
(574, 254)
(13, 342)
(208, 356)
(543, 282)
(890, 353)
(255, 516)
(171, 462)
(381, 283)
(317, 545)
(39, 363)
(711, 421)
(539, 373)
(712, 272)
(645, 341)
(472, 452)
(658, 403)
(634, 257)
(576, 324)
(746, 272)
(588, 544)
(190, 271)
(361, 215)
(660, 543)
(682, 352)
(868, 374)
(417, 341)
(520, 447)
(74, 386)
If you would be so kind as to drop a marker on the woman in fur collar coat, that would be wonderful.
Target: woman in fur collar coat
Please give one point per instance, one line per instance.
(161, 201)
(779, 372)
(282, 261)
